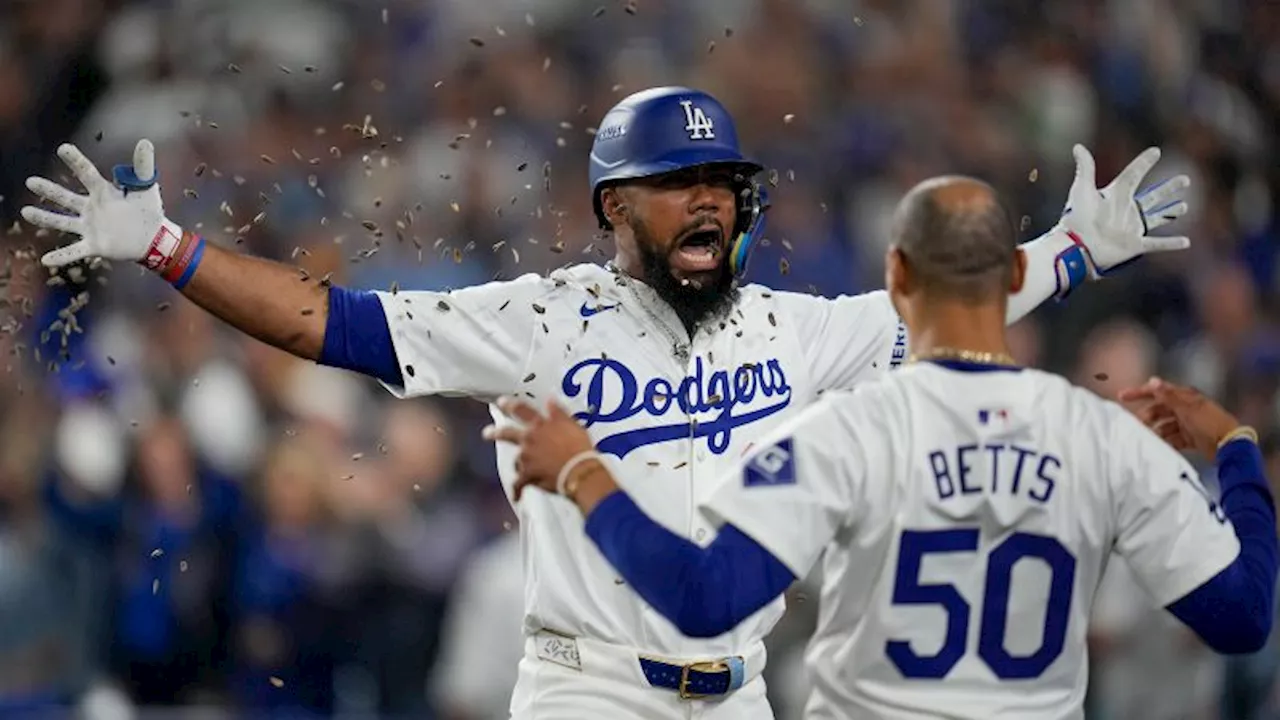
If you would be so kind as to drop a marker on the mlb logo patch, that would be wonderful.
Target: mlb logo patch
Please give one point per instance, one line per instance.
(772, 466)
(988, 417)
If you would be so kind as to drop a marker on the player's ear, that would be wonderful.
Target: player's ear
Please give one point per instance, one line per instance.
(1019, 275)
(897, 281)
(614, 206)
(897, 272)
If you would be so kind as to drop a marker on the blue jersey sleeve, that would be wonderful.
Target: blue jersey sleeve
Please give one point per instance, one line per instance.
(1232, 612)
(705, 592)
(357, 337)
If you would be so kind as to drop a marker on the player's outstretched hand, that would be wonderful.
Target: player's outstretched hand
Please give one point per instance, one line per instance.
(1115, 223)
(547, 442)
(1181, 415)
(117, 221)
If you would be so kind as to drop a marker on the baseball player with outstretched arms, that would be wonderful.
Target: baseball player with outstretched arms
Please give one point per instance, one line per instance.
(968, 507)
(672, 364)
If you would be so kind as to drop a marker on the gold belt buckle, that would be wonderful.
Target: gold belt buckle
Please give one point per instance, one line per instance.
(705, 666)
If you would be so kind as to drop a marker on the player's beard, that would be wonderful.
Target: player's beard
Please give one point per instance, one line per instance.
(694, 303)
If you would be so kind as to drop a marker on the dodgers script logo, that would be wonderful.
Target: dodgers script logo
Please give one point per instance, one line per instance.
(722, 391)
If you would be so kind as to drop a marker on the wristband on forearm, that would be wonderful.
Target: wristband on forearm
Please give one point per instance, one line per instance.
(1072, 267)
(174, 254)
(1244, 432)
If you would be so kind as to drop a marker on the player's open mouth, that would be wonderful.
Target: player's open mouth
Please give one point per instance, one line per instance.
(700, 250)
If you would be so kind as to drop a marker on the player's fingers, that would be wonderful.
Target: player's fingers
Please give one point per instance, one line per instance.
(518, 409)
(1164, 215)
(1164, 423)
(522, 481)
(1181, 441)
(141, 175)
(1173, 436)
(1172, 392)
(1155, 414)
(506, 433)
(555, 411)
(82, 167)
(66, 255)
(1144, 393)
(53, 220)
(1178, 398)
(53, 192)
(1086, 172)
(1165, 244)
(1128, 180)
(1162, 193)
(144, 160)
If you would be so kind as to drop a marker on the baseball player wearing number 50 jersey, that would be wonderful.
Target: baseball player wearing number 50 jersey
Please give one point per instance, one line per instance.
(673, 365)
(967, 507)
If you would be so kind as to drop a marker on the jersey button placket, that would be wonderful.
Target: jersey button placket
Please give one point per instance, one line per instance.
(698, 464)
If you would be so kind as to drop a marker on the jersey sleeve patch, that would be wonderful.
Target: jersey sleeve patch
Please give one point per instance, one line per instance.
(772, 466)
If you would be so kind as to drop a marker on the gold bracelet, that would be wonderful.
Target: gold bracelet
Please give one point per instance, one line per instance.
(579, 475)
(1243, 432)
(566, 478)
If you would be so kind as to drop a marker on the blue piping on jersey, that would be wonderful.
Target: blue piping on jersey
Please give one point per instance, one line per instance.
(968, 366)
(704, 592)
(356, 336)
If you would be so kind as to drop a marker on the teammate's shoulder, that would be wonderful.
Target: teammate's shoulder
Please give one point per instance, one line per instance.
(532, 286)
(1053, 382)
(799, 302)
(872, 399)
(1084, 404)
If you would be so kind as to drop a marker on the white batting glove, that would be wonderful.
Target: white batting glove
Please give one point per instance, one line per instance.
(1112, 224)
(120, 221)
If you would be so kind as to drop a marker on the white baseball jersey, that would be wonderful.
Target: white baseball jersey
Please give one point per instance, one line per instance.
(972, 514)
(672, 414)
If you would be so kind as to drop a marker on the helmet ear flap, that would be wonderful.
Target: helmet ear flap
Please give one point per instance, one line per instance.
(748, 227)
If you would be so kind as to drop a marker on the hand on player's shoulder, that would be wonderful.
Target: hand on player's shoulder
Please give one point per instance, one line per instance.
(1182, 416)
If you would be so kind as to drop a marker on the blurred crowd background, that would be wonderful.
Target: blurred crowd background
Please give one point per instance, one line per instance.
(193, 524)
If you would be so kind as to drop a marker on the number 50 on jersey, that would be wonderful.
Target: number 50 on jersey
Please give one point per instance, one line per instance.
(992, 615)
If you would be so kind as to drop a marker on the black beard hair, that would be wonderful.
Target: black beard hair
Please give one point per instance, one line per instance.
(694, 305)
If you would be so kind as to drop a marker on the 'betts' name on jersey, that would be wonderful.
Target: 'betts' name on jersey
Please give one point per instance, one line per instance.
(1010, 469)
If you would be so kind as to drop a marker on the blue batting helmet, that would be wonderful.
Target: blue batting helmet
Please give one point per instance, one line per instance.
(665, 129)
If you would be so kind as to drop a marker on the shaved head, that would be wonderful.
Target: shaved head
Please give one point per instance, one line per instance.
(957, 239)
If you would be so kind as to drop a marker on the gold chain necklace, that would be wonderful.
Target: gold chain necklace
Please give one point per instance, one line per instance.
(972, 356)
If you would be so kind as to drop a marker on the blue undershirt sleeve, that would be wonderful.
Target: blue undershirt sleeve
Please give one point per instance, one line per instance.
(704, 592)
(1232, 612)
(356, 336)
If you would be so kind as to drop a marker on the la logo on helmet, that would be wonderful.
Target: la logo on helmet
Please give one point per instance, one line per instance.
(697, 123)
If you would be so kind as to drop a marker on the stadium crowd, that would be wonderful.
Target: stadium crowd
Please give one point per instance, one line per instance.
(191, 520)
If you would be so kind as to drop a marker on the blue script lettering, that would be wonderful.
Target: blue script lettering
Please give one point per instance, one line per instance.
(720, 392)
